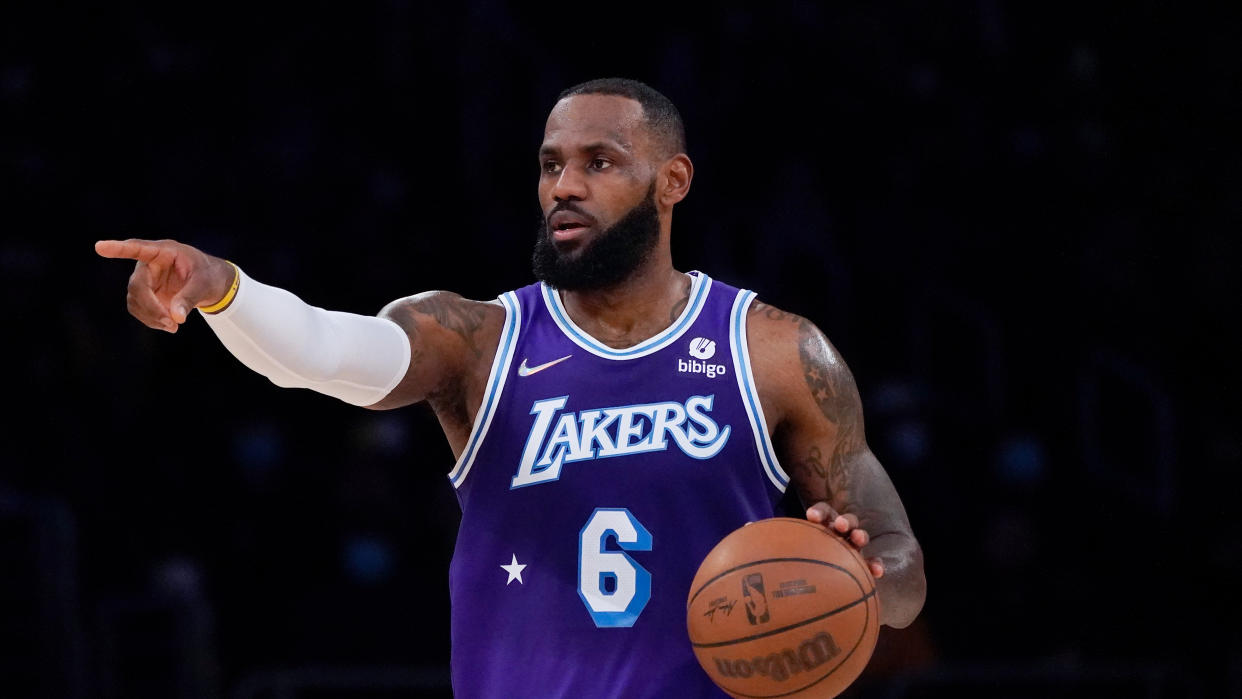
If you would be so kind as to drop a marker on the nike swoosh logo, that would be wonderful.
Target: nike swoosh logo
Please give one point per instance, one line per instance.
(528, 370)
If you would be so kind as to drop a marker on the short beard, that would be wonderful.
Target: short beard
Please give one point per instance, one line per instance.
(607, 260)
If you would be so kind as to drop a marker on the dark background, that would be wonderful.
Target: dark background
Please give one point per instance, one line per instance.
(1018, 223)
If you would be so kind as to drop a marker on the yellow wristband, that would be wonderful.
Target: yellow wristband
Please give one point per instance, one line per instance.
(228, 298)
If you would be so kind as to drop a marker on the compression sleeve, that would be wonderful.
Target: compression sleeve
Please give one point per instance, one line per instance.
(358, 359)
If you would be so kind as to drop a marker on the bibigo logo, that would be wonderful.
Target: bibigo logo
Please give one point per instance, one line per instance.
(704, 349)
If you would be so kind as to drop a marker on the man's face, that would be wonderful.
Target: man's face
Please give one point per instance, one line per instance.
(596, 186)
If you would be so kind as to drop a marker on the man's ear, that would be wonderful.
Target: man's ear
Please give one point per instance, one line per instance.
(674, 181)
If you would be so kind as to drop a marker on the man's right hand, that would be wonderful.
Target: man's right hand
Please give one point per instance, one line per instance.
(170, 279)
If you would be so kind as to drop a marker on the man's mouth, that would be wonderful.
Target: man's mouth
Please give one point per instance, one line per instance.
(567, 233)
(567, 225)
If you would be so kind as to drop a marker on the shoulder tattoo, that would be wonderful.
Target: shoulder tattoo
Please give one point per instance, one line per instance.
(833, 389)
(758, 307)
(461, 317)
(451, 312)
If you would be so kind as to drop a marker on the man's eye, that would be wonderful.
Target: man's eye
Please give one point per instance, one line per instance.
(551, 166)
(600, 164)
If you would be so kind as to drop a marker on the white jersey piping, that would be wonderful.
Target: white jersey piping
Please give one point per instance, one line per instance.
(750, 395)
(495, 385)
(700, 285)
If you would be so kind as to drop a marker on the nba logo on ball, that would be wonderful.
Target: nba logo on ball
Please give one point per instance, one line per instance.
(702, 348)
(756, 600)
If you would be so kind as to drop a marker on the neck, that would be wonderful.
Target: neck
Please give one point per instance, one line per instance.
(645, 303)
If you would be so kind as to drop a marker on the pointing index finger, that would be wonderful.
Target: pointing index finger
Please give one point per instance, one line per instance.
(132, 249)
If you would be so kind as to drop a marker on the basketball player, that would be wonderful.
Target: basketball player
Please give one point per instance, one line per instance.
(612, 423)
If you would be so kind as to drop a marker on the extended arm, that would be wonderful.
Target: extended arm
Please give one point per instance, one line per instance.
(381, 362)
(818, 427)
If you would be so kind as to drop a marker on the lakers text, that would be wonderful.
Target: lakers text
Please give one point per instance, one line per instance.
(558, 438)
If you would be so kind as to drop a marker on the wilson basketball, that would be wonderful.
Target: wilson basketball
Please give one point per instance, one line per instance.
(783, 608)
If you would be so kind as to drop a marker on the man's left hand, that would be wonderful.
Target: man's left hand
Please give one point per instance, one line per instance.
(846, 525)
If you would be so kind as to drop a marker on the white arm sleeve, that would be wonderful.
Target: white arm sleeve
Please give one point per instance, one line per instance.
(356, 358)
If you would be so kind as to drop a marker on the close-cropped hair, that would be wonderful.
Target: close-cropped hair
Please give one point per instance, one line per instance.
(660, 114)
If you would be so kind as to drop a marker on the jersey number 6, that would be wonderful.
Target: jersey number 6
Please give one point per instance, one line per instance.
(612, 585)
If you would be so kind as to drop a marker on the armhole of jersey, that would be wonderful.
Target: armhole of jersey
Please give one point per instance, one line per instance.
(750, 396)
(495, 385)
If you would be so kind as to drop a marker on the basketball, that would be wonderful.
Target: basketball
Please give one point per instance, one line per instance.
(783, 608)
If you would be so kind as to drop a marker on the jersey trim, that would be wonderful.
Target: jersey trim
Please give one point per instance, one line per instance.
(495, 384)
(750, 396)
(700, 285)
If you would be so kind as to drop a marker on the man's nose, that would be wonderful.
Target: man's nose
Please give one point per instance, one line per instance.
(571, 185)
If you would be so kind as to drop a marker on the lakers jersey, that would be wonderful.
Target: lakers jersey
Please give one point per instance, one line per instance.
(593, 483)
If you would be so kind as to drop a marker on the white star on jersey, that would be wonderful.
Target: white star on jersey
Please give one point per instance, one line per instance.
(514, 569)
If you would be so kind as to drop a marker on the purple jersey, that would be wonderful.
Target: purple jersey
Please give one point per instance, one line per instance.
(594, 482)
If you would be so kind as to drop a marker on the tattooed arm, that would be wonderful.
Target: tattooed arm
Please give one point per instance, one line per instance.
(452, 343)
(813, 408)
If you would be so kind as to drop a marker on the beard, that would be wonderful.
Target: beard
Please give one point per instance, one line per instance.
(607, 260)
